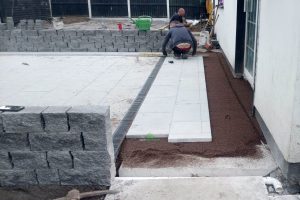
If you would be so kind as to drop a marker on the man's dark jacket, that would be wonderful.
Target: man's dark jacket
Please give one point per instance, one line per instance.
(179, 34)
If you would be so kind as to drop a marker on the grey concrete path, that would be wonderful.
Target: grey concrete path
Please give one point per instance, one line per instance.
(176, 105)
(45, 79)
(204, 188)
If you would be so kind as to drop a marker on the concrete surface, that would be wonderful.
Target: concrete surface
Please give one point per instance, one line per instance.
(285, 197)
(68, 79)
(204, 188)
(176, 105)
(195, 166)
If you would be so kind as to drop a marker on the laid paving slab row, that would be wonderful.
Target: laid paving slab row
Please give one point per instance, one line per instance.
(176, 105)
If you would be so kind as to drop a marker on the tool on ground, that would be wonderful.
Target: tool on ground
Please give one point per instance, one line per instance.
(11, 108)
(143, 23)
(76, 195)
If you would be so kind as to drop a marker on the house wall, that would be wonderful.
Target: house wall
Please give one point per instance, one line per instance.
(277, 81)
(226, 29)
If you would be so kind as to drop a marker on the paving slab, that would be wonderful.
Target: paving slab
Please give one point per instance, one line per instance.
(178, 100)
(68, 79)
(204, 188)
(197, 166)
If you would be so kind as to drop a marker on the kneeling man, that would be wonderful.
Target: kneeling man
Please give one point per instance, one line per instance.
(181, 41)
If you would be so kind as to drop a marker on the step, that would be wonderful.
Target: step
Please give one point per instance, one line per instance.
(204, 188)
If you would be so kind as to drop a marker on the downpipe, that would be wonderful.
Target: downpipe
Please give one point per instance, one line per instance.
(275, 183)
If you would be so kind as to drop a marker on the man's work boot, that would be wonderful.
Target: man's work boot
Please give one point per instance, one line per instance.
(184, 56)
(177, 56)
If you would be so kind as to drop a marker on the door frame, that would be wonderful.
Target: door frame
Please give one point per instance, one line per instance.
(251, 78)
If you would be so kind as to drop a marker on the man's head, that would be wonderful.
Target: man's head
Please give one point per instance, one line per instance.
(181, 12)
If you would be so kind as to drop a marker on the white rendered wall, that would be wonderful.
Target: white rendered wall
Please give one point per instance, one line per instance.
(226, 29)
(277, 86)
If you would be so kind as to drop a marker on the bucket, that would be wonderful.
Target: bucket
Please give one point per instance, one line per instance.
(204, 37)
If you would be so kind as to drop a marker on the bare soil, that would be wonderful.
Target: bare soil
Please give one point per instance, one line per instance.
(235, 132)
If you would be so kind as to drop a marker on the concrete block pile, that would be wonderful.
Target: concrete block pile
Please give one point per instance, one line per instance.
(50, 40)
(56, 146)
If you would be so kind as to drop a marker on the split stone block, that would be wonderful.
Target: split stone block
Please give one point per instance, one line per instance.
(104, 33)
(88, 118)
(17, 177)
(79, 49)
(93, 49)
(79, 33)
(131, 50)
(26, 120)
(67, 33)
(87, 45)
(123, 50)
(132, 45)
(29, 160)
(29, 33)
(94, 141)
(4, 160)
(60, 159)
(55, 141)
(130, 32)
(10, 23)
(95, 39)
(89, 32)
(47, 32)
(107, 45)
(47, 176)
(56, 119)
(84, 177)
(111, 49)
(92, 160)
(130, 39)
(2, 26)
(13, 141)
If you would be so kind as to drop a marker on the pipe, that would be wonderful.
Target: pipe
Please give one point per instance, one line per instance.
(276, 184)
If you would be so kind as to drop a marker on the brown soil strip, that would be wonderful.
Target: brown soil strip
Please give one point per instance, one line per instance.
(235, 132)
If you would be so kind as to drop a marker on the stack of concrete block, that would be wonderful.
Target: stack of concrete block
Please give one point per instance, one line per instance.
(10, 23)
(2, 26)
(84, 40)
(56, 146)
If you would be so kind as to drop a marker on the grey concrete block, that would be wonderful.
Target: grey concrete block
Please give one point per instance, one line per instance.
(16, 33)
(10, 23)
(79, 33)
(30, 33)
(2, 26)
(123, 49)
(79, 49)
(60, 159)
(89, 32)
(55, 141)
(131, 39)
(84, 177)
(14, 141)
(87, 45)
(131, 50)
(56, 38)
(74, 44)
(29, 160)
(103, 33)
(6, 33)
(107, 45)
(4, 160)
(111, 49)
(47, 176)
(35, 39)
(130, 32)
(45, 49)
(61, 44)
(101, 49)
(1, 124)
(108, 38)
(17, 177)
(94, 141)
(68, 33)
(27, 120)
(132, 45)
(94, 49)
(120, 39)
(88, 118)
(47, 32)
(119, 45)
(92, 160)
(95, 39)
(142, 33)
(55, 118)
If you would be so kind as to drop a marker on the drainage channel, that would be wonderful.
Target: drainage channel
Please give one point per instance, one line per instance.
(120, 133)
